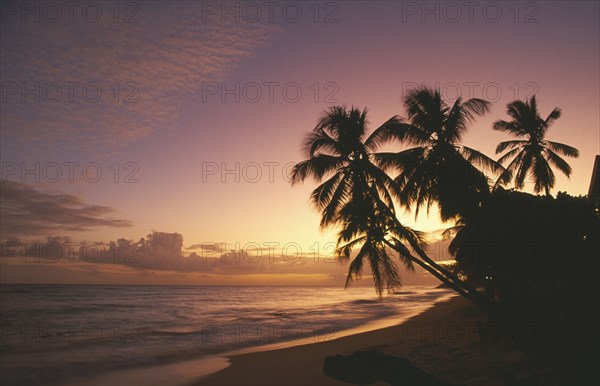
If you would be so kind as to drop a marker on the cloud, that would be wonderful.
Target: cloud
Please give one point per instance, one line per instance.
(164, 58)
(27, 211)
(161, 253)
(209, 247)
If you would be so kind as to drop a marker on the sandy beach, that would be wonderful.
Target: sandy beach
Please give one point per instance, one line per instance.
(442, 341)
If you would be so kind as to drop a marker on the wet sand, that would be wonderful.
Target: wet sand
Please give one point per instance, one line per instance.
(443, 341)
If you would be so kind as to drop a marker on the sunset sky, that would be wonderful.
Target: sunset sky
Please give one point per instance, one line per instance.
(194, 111)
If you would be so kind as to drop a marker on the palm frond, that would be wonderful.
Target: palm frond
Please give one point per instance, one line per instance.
(508, 127)
(392, 129)
(403, 160)
(336, 202)
(551, 118)
(415, 239)
(356, 266)
(319, 141)
(508, 173)
(544, 177)
(321, 196)
(345, 250)
(388, 269)
(524, 168)
(374, 263)
(509, 145)
(476, 106)
(558, 162)
(461, 114)
(479, 159)
(563, 149)
(508, 155)
(404, 254)
(426, 109)
(316, 167)
(384, 184)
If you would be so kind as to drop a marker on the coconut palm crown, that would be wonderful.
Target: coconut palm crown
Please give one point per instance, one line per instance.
(532, 154)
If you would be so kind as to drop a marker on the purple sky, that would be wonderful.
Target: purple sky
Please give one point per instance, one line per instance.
(163, 134)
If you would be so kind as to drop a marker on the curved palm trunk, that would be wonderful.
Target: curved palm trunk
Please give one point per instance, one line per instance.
(476, 299)
(450, 276)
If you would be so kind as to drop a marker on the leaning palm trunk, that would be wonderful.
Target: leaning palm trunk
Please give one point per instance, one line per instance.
(382, 213)
(450, 276)
(428, 264)
(477, 299)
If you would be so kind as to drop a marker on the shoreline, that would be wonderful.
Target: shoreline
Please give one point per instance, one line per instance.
(441, 341)
(190, 371)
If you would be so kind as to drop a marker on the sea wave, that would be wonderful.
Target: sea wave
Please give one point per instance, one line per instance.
(57, 332)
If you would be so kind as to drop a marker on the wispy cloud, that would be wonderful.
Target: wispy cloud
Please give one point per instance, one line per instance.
(27, 211)
(158, 61)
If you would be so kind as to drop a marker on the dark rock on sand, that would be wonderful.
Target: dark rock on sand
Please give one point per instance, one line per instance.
(365, 367)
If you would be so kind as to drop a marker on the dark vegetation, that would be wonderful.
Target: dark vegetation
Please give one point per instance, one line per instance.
(530, 261)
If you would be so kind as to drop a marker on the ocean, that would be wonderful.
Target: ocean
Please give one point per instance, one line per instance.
(67, 334)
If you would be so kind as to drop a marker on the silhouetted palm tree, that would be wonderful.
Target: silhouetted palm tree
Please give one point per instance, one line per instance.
(533, 154)
(359, 196)
(365, 224)
(339, 149)
(439, 169)
(374, 226)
